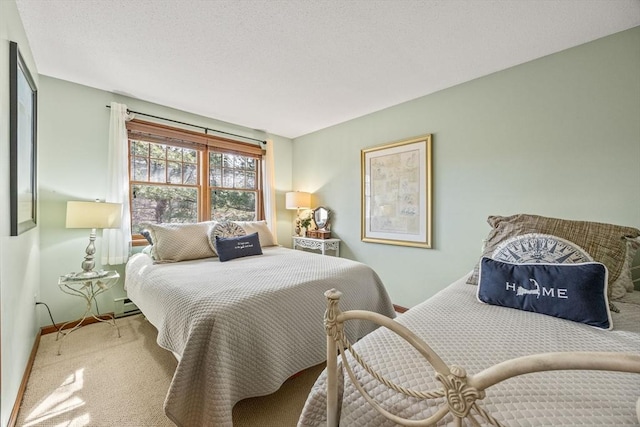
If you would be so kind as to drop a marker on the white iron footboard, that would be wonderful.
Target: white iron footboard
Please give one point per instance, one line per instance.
(460, 390)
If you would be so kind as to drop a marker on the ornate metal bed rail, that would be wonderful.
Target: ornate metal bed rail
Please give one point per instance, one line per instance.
(461, 391)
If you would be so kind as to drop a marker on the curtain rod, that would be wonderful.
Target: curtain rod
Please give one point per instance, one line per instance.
(206, 129)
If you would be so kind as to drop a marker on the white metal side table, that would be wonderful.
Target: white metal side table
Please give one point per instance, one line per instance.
(317, 244)
(88, 289)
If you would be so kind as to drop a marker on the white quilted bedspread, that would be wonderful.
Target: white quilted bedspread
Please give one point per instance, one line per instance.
(464, 332)
(242, 327)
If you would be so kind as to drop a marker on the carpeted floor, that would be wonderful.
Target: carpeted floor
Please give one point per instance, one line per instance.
(102, 380)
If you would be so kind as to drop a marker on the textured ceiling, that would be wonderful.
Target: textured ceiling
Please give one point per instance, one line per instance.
(295, 66)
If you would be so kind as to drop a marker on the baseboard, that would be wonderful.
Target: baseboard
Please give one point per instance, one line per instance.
(399, 309)
(25, 379)
(87, 321)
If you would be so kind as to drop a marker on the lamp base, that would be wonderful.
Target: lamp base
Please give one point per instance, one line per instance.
(298, 228)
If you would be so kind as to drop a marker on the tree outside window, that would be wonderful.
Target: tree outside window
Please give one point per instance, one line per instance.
(166, 184)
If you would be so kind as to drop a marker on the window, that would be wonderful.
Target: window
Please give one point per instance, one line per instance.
(164, 183)
(182, 176)
(233, 184)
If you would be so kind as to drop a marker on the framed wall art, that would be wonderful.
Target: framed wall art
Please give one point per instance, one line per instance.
(397, 193)
(23, 107)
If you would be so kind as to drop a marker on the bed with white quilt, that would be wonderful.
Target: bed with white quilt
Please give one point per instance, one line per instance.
(544, 332)
(239, 326)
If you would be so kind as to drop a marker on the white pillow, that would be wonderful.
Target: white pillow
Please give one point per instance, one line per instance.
(260, 227)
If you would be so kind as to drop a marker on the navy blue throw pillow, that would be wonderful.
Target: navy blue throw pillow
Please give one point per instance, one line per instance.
(235, 247)
(575, 292)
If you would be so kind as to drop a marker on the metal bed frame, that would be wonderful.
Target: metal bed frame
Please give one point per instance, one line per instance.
(462, 392)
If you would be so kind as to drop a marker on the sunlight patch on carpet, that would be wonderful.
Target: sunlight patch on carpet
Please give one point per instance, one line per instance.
(63, 399)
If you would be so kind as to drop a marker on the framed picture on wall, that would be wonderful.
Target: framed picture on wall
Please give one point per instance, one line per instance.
(23, 107)
(397, 193)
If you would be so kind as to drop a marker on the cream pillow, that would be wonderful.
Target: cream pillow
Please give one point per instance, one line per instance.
(260, 227)
(180, 242)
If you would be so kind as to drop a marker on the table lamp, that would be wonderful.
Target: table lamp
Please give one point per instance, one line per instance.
(298, 200)
(92, 215)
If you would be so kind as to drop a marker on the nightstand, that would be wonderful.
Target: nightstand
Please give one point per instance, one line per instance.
(321, 245)
(87, 289)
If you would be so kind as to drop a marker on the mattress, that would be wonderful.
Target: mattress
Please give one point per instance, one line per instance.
(475, 336)
(242, 327)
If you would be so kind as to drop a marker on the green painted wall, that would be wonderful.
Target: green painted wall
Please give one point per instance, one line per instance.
(19, 255)
(74, 125)
(558, 136)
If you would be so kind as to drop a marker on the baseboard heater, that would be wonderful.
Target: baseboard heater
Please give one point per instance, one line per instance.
(124, 307)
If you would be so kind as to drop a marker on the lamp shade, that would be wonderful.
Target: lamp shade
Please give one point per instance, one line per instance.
(93, 215)
(298, 200)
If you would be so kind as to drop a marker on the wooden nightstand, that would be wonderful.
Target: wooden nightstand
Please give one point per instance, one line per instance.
(321, 245)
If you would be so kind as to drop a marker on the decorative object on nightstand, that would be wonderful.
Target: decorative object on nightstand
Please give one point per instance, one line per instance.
(92, 215)
(298, 200)
(321, 245)
(88, 289)
(305, 223)
(321, 217)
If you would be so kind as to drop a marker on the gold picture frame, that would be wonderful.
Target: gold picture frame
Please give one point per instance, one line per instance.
(397, 193)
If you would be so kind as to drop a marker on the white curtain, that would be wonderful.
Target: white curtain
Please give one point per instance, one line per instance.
(116, 243)
(269, 197)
